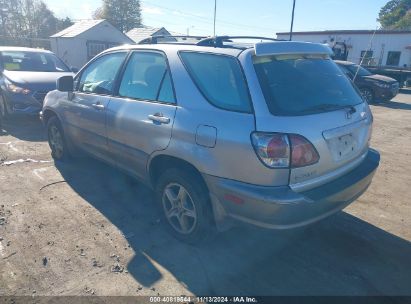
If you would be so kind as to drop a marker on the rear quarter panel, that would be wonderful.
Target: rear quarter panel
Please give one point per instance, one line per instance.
(309, 126)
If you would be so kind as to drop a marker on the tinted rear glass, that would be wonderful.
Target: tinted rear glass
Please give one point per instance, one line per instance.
(303, 84)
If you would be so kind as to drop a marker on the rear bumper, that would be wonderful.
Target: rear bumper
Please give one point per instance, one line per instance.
(283, 208)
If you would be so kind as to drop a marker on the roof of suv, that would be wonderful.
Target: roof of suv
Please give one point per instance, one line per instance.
(219, 44)
(226, 45)
(178, 47)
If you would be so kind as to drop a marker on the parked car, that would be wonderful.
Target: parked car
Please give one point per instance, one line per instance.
(269, 135)
(26, 76)
(373, 87)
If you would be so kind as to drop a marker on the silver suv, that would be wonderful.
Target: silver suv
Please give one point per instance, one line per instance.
(272, 133)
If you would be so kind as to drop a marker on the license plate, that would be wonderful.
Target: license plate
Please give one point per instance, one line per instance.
(345, 145)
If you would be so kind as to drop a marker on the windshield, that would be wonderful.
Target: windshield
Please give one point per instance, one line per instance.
(303, 84)
(32, 62)
(361, 71)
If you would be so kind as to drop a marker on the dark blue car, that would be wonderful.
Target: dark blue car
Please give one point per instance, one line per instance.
(26, 76)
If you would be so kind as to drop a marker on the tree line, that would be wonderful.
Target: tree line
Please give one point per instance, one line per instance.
(123, 14)
(396, 15)
(33, 19)
(29, 19)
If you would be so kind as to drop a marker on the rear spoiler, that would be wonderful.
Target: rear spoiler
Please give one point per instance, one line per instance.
(291, 47)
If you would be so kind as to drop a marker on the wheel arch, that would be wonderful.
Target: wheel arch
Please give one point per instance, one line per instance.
(161, 162)
(48, 113)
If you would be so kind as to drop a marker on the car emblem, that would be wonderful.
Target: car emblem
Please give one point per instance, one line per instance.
(348, 114)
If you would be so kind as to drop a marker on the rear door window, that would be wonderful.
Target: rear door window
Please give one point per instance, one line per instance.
(147, 77)
(220, 80)
(303, 84)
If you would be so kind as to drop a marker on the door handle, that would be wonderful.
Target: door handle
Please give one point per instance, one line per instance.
(158, 117)
(98, 106)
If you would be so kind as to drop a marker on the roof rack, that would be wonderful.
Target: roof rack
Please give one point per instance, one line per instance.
(218, 41)
(175, 39)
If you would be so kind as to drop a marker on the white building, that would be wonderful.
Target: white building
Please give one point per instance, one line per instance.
(386, 48)
(80, 42)
(138, 34)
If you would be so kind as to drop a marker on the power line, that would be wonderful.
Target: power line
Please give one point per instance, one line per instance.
(198, 29)
(206, 19)
(171, 23)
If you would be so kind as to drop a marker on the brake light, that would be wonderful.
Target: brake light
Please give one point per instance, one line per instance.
(272, 149)
(278, 150)
(303, 152)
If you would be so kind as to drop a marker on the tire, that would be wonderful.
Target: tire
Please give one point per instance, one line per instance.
(367, 94)
(3, 108)
(57, 140)
(188, 216)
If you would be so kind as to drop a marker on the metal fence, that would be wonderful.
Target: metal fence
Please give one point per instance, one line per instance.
(26, 42)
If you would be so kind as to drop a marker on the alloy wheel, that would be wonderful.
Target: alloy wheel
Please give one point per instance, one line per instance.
(367, 94)
(179, 208)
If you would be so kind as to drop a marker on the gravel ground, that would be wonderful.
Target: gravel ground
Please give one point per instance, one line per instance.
(86, 229)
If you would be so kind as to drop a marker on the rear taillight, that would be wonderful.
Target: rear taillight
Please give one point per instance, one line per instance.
(278, 150)
(303, 152)
(272, 149)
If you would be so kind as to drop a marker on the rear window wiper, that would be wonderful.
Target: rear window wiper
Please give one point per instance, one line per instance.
(330, 107)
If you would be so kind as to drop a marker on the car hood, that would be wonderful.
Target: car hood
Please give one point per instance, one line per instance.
(44, 81)
(381, 78)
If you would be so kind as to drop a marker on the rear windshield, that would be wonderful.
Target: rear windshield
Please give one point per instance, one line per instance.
(32, 62)
(303, 84)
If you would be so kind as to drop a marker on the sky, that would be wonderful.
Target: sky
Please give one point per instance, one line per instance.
(240, 17)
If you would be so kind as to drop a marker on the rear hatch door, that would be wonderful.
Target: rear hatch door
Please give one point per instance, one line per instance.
(305, 93)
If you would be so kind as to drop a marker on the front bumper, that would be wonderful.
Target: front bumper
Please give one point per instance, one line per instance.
(23, 104)
(283, 208)
(385, 94)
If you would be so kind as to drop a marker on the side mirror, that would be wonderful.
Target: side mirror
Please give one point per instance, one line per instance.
(74, 69)
(65, 84)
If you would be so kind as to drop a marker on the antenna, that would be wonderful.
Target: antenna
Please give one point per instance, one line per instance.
(215, 14)
(363, 57)
(292, 21)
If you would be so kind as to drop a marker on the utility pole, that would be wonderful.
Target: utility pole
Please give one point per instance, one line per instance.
(215, 14)
(188, 29)
(292, 21)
